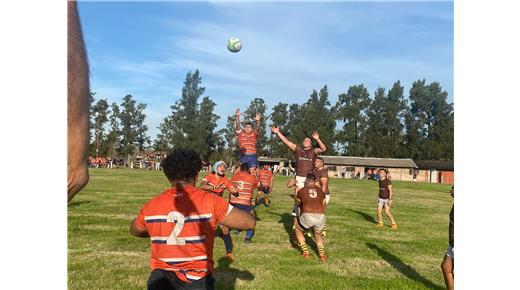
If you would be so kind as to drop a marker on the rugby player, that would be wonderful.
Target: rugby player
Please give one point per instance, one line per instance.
(247, 141)
(385, 199)
(216, 182)
(265, 176)
(181, 222)
(449, 258)
(312, 205)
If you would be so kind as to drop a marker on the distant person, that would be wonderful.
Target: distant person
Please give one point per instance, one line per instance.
(449, 258)
(311, 215)
(385, 200)
(265, 176)
(181, 222)
(415, 179)
(78, 105)
(247, 141)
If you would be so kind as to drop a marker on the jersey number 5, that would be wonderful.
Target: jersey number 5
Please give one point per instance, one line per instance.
(177, 218)
(313, 193)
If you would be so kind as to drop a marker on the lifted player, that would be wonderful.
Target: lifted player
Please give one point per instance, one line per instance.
(216, 182)
(385, 199)
(266, 180)
(247, 141)
(311, 201)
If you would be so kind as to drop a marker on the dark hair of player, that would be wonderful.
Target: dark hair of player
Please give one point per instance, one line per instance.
(383, 169)
(248, 123)
(244, 167)
(182, 165)
(318, 157)
(310, 178)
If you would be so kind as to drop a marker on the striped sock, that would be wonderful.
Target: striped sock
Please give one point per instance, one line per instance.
(321, 250)
(304, 248)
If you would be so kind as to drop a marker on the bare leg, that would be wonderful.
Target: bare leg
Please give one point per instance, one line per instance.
(447, 272)
(379, 215)
(387, 211)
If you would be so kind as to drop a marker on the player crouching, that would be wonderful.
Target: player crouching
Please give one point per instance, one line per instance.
(311, 204)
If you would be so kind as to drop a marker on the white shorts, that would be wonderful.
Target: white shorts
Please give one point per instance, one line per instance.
(300, 181)
(449, 252)
(381, 202)
(312, 220)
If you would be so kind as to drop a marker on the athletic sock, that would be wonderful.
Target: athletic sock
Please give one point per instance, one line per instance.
(304, 248)
(228, 243)
(321, 250)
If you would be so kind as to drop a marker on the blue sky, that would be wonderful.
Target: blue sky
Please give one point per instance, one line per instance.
(146, 48)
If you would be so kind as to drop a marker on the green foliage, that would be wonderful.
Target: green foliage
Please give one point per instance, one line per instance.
(133, 130)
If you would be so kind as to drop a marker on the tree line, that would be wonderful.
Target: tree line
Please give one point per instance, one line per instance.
(420, 126)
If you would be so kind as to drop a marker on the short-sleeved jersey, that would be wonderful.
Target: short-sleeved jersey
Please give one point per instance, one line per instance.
(384, 191)
(213, 179)
(181, 224)
(305, 161)
(311, 199)
(246, 184)
(247, 142)
(322, 173)
(265, 177)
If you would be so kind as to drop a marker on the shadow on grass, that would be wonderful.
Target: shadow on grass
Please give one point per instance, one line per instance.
(402, 267)
(78, 203)
(227, 276)
(367, 217)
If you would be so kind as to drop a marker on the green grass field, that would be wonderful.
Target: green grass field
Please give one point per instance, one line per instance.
(103, 255)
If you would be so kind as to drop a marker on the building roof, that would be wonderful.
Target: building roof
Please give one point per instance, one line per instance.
(446, 165)
(369, 161)
(271, 159)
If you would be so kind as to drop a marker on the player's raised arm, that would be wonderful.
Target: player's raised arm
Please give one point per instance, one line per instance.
(257, 119)
(239, 219)
(316, 136)
(237, 120)
(284, 139)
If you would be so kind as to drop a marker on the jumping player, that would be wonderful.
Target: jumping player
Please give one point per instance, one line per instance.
(449, 258)
(265, 176)
(246, 184)
(216, 182)
(247, 141)
(305, 157)
(311, 201)
(181, 222)
(385, 199)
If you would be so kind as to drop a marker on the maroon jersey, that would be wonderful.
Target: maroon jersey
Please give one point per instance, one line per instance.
(384, 191)
(305, 161)
(312, 199)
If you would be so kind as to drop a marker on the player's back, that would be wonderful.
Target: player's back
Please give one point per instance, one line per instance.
(265, 177)
(312, 199)
(245, 184)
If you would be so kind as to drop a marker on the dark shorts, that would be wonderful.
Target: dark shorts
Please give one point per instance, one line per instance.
(266, 190)
(162, 279)
(247, 208)
(249, 159)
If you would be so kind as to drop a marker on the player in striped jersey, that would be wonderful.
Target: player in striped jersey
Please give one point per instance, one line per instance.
(216, 182)
(266, 179)
(246, 184)
(247, 141)
(181, 222)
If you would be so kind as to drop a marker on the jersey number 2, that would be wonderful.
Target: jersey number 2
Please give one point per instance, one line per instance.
(178, 219)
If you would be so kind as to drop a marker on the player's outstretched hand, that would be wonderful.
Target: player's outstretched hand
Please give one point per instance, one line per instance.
(275, 130)
(237, 112)
(258, 116)
(315, 135)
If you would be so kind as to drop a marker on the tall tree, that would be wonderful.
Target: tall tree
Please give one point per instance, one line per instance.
(113, 137)
(100, 111)
(350, 109)
(205, 138)
(395, 111)
(278, 117)
(133, 130)
(377, 133)
(258, 105)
